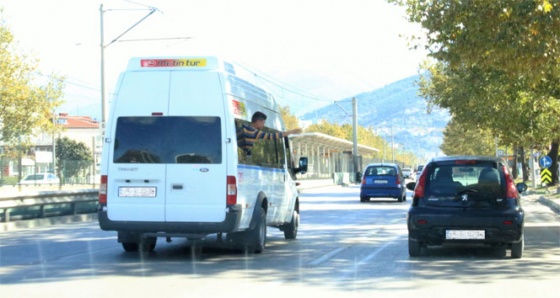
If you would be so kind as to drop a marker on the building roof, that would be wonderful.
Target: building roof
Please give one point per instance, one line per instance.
(319, 139)
(68, 121)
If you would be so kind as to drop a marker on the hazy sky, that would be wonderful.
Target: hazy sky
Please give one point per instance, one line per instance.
(319, 50)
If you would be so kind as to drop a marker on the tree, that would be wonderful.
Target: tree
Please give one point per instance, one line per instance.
(459, 139)
(27, 101)
(496, 66)
(366, 136)
(331, 129)
(491, 101)
(72, 158)
(290, 120)
(520, 37)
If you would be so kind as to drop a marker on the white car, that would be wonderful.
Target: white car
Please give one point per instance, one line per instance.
(40, 178)
(408, 173)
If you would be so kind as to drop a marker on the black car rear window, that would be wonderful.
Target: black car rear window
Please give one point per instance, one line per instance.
(450, 181)
(168, 140)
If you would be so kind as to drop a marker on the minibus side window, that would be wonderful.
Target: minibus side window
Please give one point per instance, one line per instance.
(263, 152)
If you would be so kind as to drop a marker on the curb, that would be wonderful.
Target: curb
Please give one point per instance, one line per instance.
(554, 206)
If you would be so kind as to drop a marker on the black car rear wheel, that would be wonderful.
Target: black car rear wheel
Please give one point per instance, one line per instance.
(517, 248)
(414, 248)
(130, 246)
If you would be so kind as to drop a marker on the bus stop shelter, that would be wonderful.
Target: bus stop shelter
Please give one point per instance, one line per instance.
(330, 157)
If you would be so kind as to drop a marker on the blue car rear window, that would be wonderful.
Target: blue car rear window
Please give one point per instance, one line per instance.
(381, 171)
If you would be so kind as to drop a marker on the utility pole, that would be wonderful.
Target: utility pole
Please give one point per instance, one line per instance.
(403, 155)
(392, 146)
(103, 46)
(355, 137)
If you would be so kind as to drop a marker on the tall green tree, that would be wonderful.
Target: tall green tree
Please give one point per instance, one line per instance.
(490, 101)
(27, 99)
(520, 37)
(460, 139)
(496, 65)
(72, 157)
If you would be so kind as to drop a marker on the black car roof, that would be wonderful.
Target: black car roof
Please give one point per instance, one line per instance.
(466, 157)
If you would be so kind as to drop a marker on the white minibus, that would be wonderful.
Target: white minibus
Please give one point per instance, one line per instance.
(171, 166)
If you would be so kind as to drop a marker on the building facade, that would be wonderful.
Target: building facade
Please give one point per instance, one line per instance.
(40, 157)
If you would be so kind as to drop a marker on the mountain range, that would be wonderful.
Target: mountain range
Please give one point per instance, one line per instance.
(395, 112)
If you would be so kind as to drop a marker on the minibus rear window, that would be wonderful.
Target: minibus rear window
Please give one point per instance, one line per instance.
(168, 140)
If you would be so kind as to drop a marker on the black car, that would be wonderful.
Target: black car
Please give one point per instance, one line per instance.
(466, 200)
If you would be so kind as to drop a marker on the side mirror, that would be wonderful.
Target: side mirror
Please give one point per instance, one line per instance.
(302, 165)
(521, 187)
(411, 185)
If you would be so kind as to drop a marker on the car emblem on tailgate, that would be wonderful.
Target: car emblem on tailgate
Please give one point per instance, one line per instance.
(204, 170)
(465, 198)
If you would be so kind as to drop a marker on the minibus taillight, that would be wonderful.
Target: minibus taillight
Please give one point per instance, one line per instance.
(231, 190)
(103, 190)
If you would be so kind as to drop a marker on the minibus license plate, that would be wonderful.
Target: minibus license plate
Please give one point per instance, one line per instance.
(464, 234)
(149, 192)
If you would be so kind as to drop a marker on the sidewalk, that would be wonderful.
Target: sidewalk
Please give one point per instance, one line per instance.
(313, 183)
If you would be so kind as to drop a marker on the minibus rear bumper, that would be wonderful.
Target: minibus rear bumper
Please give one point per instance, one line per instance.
(230, 224)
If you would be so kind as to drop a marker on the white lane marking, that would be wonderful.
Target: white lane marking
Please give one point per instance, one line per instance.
(327, 256)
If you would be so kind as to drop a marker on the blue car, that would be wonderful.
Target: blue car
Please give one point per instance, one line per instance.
(383, 180)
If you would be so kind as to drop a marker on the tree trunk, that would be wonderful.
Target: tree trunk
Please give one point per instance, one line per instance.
(553, 154)
(524, 165)
(514, 171)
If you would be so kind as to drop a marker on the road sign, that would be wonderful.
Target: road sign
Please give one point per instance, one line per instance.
(545, 161)
(546, 176)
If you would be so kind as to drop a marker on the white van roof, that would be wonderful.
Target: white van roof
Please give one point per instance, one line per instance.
(236, 76)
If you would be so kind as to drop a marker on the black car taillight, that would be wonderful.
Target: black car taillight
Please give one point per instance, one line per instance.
(421, 185)
(511, 191)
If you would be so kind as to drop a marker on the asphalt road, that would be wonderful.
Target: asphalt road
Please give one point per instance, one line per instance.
(344, 249)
